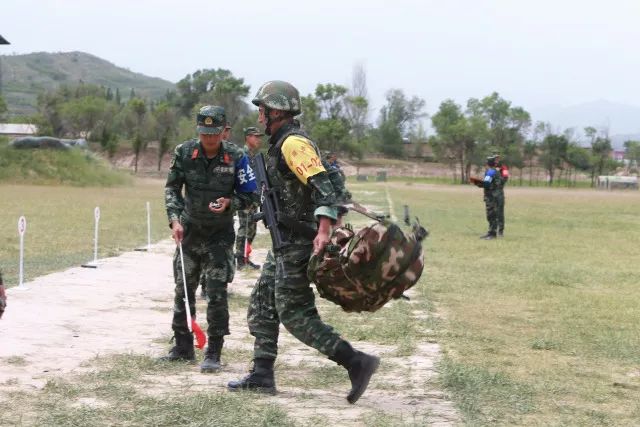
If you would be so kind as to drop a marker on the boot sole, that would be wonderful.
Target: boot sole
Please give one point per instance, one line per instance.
(371, 369)
(262, 390)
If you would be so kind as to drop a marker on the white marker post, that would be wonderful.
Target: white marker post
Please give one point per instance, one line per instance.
(148, 226)
(96, 215)
(22, 228)
(148, 248)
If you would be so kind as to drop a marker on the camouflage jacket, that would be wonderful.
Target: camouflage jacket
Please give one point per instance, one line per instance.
(226, 175)
(298, 201)
(492, 182)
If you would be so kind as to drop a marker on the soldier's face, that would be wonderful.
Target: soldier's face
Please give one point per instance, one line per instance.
(253, 142)
(210, 140)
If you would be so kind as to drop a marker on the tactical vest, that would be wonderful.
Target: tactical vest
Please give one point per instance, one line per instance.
(207, 180)
(295, 197)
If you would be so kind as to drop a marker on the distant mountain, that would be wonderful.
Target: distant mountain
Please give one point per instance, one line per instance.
(24, 76)
(618, 118)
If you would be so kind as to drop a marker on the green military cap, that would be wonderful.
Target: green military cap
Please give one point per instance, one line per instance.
(211, 120)
(252, 131)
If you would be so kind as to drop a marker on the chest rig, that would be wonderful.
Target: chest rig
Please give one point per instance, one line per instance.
(294, 197)
(205, 181)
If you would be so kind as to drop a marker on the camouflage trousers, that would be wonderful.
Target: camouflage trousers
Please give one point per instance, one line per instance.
(208, 252)
(495, 213)
(246, 230)
(283, 294)
(500, 212)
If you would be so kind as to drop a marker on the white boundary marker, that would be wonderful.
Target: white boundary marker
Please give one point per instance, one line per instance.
(96, 215)
(22, 228)
(148, 248)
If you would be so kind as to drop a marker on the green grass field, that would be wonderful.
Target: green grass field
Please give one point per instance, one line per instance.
(538, 328)
(541, 327)
(60, 224)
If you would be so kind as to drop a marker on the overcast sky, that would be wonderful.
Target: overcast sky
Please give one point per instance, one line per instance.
(534, 53)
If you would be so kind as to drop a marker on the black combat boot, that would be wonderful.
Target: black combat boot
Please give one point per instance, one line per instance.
(240, 264)
(500, 233)
(182, 351)
(211, 362)
(260, 378)
(252, 265)
(361, 367)
(489, 236)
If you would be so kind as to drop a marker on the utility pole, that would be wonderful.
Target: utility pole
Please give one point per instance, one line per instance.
(2, 41)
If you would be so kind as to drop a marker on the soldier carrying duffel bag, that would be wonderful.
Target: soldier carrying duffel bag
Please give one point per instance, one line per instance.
(363, 270)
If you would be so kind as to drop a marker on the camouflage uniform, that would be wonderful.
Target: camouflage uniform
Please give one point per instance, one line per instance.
(283, 294)
(208, 237)
(246, 224)
(305, 192)
(504, 175)
(493, 196)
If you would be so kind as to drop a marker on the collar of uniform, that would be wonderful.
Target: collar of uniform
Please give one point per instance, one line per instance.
(285, 128)
(223, 155)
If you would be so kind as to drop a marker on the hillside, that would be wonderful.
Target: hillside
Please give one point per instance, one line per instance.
(24, 76)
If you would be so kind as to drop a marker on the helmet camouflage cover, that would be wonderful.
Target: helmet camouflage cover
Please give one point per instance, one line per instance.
(278, 95)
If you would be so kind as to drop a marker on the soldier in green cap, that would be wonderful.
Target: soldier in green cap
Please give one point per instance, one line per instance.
(493, 184)
(217, 181)
(308, 199)
(246, 223)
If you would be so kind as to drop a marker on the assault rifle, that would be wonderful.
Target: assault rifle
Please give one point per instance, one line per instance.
(270, 213)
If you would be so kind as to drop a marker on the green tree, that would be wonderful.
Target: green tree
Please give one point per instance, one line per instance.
(632, 153)
(553, 151)
(507, 126)
(401, 113)
(3, 108)
(579, 160)
(458, 137)
(216, 87)
(166, 128)
(600, 152)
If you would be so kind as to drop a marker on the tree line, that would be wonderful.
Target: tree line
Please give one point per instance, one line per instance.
(338, 118)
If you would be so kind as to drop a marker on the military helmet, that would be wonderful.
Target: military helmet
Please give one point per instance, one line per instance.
(211, 119)
(252, 130)
(278, 95)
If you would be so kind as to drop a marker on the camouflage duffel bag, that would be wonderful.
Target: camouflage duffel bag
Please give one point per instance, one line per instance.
(364, 270)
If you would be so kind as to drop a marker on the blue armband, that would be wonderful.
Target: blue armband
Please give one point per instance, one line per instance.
(245, 177)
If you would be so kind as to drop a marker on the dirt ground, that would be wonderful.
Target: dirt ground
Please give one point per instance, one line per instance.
(124, 306)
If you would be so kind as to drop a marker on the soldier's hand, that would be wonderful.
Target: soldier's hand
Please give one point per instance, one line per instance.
(323, 236)
(3, 300)
(221, 204)
(177, 231)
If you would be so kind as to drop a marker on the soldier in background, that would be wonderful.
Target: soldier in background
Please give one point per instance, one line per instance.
(246, 223)
(283, 294)
(332, 162)
(226, 133)
(492, 184)
(504, 174)
(3, 297)
(217, 181)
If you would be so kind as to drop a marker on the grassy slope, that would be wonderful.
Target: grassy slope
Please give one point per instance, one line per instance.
(24, 76)
(71, 167)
